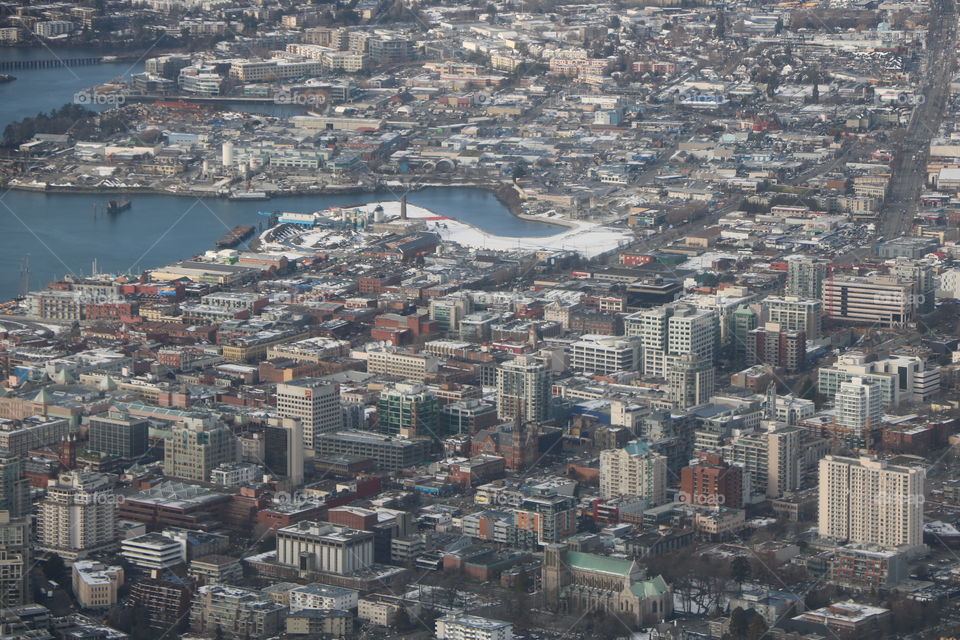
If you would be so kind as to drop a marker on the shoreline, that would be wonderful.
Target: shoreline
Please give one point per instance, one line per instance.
(497, 190)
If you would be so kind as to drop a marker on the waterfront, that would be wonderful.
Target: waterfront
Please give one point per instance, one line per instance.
(59, 233)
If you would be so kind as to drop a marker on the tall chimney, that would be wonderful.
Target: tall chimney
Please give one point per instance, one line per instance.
(403, 207)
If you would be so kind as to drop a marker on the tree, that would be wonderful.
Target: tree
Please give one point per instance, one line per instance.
(738, 623)
(757, 627)
(55, 569)
(740, 571)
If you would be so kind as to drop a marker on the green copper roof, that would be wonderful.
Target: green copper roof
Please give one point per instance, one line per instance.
(601, 564)
(653, 587)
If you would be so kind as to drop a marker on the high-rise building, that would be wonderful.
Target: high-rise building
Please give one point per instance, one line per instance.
(795, 314)
(78, 515)
(523, 389)
(805, 276)
(409, 410)
(711, 482)
(192, 451)
(859, 405)
(117, 434)
(16, 555)
(742, 321)
(691, 381)
(544, 517)
(920, 272)
(772, 344)
(315, 402)
(14, 486)
(671, 331)
(770, 457)
(283, 449)
(634, 470)
(867, 500)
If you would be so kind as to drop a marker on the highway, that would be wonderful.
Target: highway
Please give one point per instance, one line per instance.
(910, 157)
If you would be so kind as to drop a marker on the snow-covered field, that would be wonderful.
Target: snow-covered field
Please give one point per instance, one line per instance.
(588, 238)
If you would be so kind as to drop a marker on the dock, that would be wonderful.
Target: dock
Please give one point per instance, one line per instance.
(235, 236)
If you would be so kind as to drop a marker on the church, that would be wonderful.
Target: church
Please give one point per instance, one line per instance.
(574, 582)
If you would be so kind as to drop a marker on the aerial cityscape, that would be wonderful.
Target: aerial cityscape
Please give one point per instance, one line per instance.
(479, 320)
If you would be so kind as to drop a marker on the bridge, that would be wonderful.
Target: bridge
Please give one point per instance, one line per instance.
(48, 63)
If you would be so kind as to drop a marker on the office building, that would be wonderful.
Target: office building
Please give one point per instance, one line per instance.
(390, 453)
(634, 470)
(95, 585)
(881, 301)
(14, 486)
(193, 451)
(410, 366)
(117, 434)
(671, 331)
(448, 311)
(36, 432)
(324, 548)
(315, 403)
(153, 551)
(408, 410)
(523, 390)
(77, 517)
(901, 378)
(603, 355)
(868, 500)
(283, 449)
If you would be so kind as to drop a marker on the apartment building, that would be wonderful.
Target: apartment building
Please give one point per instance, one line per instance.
(634, 470)
(869, 500)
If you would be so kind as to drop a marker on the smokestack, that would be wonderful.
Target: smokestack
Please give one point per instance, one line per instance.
(403, 207)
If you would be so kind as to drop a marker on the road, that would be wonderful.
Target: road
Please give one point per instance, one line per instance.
(910, 157)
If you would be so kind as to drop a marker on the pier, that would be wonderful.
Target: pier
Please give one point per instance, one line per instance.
(50, 63)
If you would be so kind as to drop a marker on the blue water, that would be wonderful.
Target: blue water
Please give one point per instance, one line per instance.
(59, 234)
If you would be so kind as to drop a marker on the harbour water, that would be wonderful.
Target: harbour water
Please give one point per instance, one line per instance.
(59, 233)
